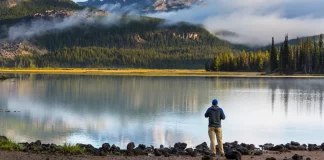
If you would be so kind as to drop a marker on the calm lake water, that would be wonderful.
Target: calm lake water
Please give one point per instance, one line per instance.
(159, 110)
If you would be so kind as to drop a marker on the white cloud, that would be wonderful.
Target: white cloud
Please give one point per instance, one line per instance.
(256, 21)
(40, 26)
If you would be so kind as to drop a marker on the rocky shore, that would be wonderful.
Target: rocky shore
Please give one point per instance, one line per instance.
(2, 77)
(234, 150)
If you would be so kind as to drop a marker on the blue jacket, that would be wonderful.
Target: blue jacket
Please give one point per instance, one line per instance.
(215, 115)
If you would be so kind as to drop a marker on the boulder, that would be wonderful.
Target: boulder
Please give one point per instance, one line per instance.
(297, 157)
(250, 147)
(271, 158)
(278, 148)
(130, 146)
(294, 143)
(38, 143)
(322, 146)
(180, 146)
(313, 147)
(257, 152)
(243, 150)
(157, 152)
(141, 146)
(233, 155)
(140, 152)
(267, 146)
(105, 147)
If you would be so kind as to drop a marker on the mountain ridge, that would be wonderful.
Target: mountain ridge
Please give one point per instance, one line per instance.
(141, 6)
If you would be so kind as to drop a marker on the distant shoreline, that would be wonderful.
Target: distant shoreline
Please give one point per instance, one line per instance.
(151, 72)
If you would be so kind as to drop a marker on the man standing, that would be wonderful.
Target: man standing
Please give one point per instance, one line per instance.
(215, 115)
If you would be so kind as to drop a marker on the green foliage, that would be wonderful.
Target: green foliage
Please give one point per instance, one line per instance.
(26, 8)
(71, 149)
(241, 61)
(10, 146)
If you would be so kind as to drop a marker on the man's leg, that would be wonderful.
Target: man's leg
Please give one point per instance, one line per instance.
(212, 134)
(219, 135)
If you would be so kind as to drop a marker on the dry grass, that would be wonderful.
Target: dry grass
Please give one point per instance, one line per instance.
(149, 72)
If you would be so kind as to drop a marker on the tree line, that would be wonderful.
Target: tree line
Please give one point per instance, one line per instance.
(307, 57)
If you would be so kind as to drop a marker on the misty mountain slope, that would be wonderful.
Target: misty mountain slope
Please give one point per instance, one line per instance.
(140, 6)
(93, 38)
(13, 9)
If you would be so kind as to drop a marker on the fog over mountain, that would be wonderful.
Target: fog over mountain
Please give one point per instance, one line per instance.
(255, 21)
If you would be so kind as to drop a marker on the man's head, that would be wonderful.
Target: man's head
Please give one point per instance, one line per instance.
(215, 102)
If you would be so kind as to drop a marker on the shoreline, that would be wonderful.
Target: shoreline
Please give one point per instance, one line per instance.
(232, 150)
(151, 73)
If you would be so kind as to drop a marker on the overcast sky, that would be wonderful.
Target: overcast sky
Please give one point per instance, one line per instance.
(256, 21)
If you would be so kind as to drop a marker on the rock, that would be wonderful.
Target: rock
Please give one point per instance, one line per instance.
(194, 153)
(141, 146)
(103, 152)
(148, 150)
(106, 147)
(294, 143)
(130, 146)
(180, 146)
(3, 138)
(267, 146)
(322, 146)
(140, 152)
(114, 148)
(271, 158)
(38, 143)
(243, 150)
(277, 148)
(250, 147)
(297, 157)
(257, 152)
(203, 149)
(308, 159)
(161, 146)
(313, 147)
(233, 155)
(157, 152)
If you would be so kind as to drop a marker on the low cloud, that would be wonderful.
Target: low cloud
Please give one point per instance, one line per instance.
(255, 21)
(40, 26)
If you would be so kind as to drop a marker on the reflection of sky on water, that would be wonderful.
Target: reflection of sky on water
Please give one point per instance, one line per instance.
(159, 110)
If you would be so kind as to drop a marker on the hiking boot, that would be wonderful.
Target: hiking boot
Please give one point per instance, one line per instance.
(222, 155)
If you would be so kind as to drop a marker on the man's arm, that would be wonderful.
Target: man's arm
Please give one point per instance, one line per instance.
(207, 113)
(222, 114)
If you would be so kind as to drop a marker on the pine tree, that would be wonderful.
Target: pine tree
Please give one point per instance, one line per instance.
(320, 45)
(273, 57)
(285, 56)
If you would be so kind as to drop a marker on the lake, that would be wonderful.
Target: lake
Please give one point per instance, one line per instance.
(159, 110)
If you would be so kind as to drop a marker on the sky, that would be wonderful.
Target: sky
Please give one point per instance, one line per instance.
(255, 21)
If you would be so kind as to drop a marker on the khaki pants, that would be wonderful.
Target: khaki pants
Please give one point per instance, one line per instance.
(216, 132)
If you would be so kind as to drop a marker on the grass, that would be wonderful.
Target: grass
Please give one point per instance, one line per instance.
(151, 72)
(10, 146)
(71, 149)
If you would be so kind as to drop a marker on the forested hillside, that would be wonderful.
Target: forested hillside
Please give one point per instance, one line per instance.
(12, 9)
(127, 42)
